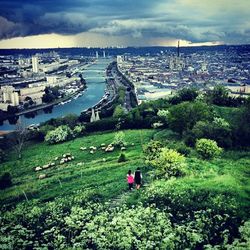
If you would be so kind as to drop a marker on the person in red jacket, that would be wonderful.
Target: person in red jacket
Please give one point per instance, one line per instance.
(130, 179)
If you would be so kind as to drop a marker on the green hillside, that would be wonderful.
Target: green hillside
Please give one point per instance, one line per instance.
(99, 171)
(85, 203)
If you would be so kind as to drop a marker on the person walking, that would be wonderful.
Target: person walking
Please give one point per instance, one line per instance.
(138, 177)
(130, 179)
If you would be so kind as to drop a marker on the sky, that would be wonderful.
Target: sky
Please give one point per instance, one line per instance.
(105, 23)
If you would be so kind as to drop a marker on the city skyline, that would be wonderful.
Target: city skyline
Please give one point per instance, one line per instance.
(104, 23)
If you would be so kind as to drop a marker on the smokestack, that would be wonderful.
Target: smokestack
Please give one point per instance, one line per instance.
(178, 49)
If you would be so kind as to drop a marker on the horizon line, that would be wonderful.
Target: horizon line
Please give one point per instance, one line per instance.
(123, 47)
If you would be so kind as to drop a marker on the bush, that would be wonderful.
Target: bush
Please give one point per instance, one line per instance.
(60, 134)
(183, 149)
(119, 139)
(169, 163)
(122, 158)
(5, 180)
(244, 241)
(208, 149)
(152, 150)
(78, 130)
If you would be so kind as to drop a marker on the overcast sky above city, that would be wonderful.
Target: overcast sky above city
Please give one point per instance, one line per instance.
(101, 23)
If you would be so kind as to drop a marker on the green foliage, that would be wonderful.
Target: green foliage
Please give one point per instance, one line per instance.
(244, 241)
(169, 163)
(201, 210)
(218, 130)
(122, 158)
(118, 112)
(45, 129)
(241, 129)
(119, 139)
(218, 95)
(208, 149)
(183, 149)
(2, 155)
(152, 150)
(5, 181)
(60, 134)
(184, 116)
(79, 130)
(187, 94)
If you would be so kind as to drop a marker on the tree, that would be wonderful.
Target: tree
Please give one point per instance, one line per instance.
(60, 134)
(188, 94)
(118, 112)
(218, 96)
(219, 130)
(241, 130)
(20, 137)
(184, 116)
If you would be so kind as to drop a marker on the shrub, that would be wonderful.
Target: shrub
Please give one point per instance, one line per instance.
(244, 241)
(208, 149)
(5, 180)
(60, 134)
(169, 163)
(152, 150)
(163, 114)
(119, 139)
(122, 158)
(78, 130)
(183, 149)
(118, 112)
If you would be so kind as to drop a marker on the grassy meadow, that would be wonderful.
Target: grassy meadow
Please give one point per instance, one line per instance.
(211, 201)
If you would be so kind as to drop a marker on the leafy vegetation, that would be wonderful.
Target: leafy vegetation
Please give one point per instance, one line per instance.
(169, 163)
(208, 149)
(73, 195)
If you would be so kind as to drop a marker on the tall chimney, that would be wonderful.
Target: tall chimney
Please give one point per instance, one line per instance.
(178, 49)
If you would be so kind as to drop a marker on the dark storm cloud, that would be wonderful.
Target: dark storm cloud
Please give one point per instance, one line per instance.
(192, 20)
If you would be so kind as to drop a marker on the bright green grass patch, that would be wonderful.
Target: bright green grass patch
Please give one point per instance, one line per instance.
(105, 176)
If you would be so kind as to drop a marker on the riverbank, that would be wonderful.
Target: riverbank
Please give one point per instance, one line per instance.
(56, 102)
(96, 82)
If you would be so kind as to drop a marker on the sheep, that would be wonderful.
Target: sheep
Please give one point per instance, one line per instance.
(38, 168)
(42, 176)
(46, 166)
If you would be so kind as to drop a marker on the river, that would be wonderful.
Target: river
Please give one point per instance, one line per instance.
(96, 84)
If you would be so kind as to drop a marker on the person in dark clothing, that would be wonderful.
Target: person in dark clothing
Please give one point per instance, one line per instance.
(138, 177)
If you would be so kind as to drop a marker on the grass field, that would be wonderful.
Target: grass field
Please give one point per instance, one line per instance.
(107, 178)
(85, 195)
